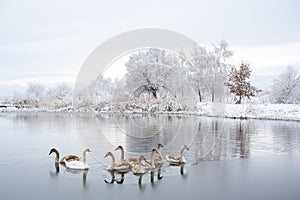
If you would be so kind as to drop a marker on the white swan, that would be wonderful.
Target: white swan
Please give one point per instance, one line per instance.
(175, 159)
(138, 168)
(67, 157)
(75, 164)
(120, 167)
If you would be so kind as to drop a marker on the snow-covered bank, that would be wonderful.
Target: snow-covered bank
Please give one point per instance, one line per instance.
(289, 112)
(254, 111)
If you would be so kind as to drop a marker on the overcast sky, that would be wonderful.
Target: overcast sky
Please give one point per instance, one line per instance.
(48, 41)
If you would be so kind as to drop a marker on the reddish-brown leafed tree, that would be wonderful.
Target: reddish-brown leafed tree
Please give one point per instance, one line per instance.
(239, 85)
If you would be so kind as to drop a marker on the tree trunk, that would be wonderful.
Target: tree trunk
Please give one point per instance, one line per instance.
(199, 94)
(239, 101)
(154, 94)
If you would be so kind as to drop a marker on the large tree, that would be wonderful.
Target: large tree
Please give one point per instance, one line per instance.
(218, 67)
(239, 84)
(151, 71)
(197, 71)
(209, 69)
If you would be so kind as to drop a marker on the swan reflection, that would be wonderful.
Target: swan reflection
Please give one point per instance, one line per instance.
(113, 177)
(152, 175)
(76, 171)
(54, 174)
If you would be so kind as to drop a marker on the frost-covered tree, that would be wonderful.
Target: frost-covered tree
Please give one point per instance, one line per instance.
(218, 68)
(197, 71)
(286, 87)
(239, 84)
(120, 90)
(59, 96)
(209, 69)
(151, 71)
(35, 90)
(104, 88)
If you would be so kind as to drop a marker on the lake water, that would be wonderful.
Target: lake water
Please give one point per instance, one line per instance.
(228, 159)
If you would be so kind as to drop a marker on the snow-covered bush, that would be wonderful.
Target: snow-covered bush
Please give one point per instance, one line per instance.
(59, 96)
(286, 87)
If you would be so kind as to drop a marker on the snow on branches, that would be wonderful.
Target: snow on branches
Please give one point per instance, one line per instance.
(286, 87)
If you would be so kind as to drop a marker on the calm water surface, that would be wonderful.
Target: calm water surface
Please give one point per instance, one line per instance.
(228, 159)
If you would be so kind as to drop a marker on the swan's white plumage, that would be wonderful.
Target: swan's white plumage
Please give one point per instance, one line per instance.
(75, 164)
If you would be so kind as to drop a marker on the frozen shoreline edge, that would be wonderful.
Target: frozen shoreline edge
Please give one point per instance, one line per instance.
(239, 116)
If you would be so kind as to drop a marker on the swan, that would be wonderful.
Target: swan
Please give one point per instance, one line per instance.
(149, 164)
(122, 159)
(120, 167)
(176, 160)
(75, 164)
(67, 157)
(138, 168)
(159, 161)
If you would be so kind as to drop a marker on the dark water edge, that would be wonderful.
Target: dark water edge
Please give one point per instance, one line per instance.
(256, 178)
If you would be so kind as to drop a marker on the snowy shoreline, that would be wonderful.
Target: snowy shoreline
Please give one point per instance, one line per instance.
(287, 112)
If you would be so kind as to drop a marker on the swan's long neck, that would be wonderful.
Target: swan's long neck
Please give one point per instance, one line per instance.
(152, 157)
(159, 153)
(113, 160)
(57, 156)
(140, 164)
(182, 151)
(84, 156)
(122, 154)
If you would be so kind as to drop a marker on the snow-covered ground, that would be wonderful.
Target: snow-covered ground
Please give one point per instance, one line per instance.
(242, 111)
(254, 111)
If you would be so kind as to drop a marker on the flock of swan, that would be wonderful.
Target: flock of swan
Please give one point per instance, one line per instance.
(138, 166)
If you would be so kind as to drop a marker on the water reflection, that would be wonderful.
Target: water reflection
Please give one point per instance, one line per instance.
(119, 177)
(152, 175)
(55, 174)
(114, 179)
(209, 138)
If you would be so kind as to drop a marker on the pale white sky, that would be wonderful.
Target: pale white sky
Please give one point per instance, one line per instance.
(49, 40)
